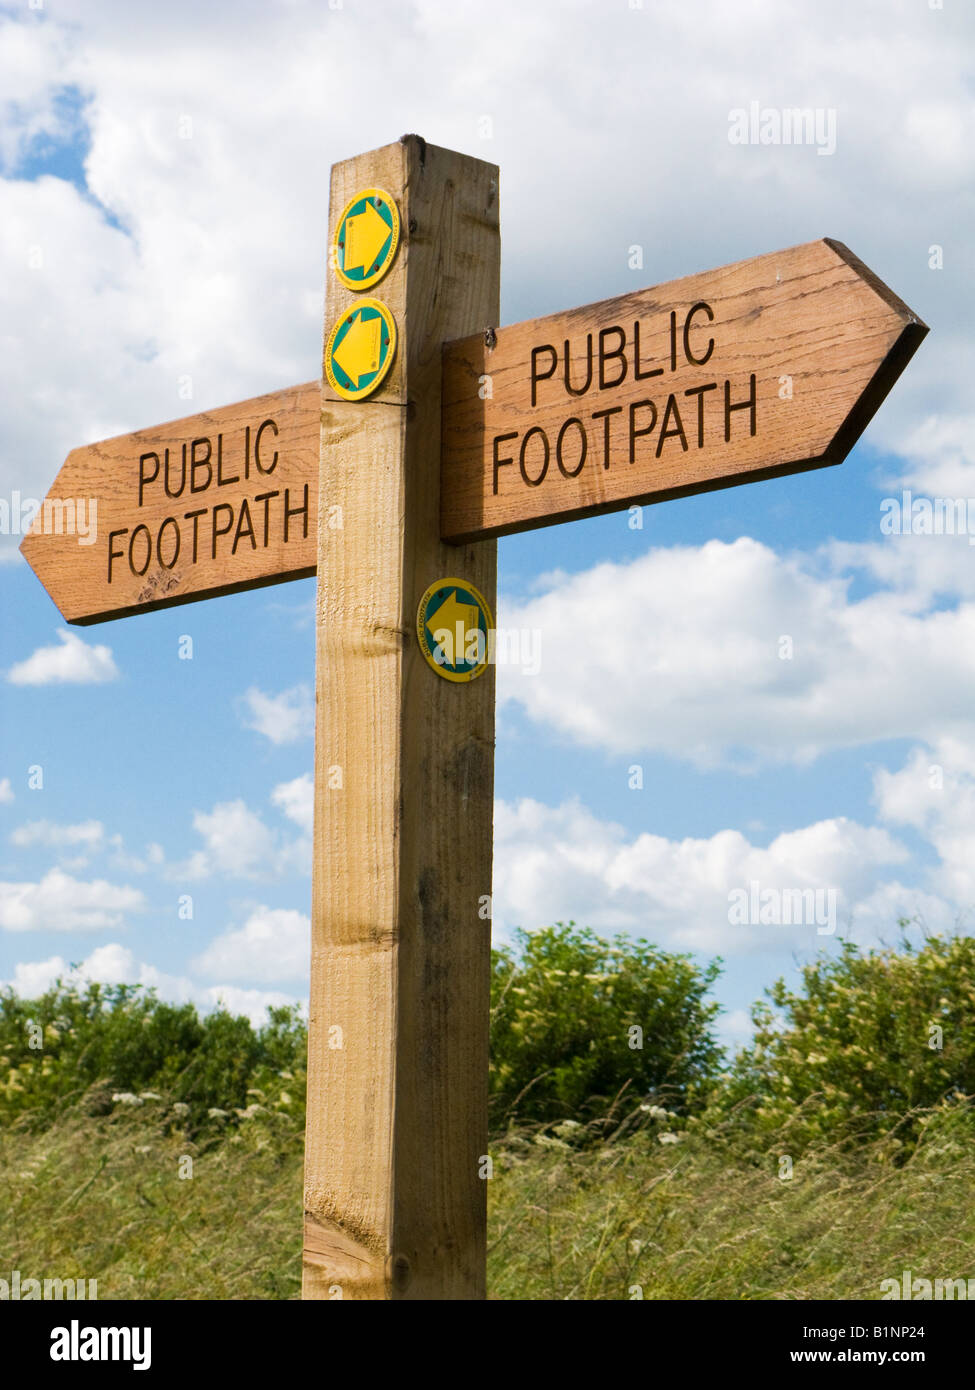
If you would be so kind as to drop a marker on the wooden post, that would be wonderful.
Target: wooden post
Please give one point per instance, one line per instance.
(404, 769)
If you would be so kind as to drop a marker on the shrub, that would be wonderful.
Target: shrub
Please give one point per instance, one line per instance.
(856, 1052)
(126, 1038)
(565, 1005)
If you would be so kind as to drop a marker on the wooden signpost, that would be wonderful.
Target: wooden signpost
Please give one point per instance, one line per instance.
(765, 367)
(432, 432)
(209, 505)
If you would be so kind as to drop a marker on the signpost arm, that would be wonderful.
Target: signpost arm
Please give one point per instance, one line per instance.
(404, 762)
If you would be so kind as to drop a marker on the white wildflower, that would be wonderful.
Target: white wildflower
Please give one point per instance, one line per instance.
(656, 1112)
(251, 1110)
(565, 1128)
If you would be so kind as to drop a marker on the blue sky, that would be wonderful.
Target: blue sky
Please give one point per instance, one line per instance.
(165, 257)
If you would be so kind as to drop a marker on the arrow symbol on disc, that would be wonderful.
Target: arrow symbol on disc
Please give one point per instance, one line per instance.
(365, 234)
(452, 621)
(358, 352)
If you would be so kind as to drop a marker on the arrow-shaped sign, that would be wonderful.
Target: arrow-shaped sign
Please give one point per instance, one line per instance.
(219, 502)
(765, 367)
(365, 235)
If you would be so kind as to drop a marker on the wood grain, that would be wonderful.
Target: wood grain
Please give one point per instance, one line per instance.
(397, 1115)
(808, 341)
(165, 535)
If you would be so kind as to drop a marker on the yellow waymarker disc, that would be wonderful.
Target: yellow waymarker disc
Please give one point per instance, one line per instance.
(454, 627)
(360, 349)
(366, 238)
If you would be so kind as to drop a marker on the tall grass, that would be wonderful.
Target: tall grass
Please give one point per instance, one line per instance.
(570, 1216)
(112, 1198)
(697, 1220)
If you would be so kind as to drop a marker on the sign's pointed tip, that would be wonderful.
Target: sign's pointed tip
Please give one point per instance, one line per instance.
(880, 287)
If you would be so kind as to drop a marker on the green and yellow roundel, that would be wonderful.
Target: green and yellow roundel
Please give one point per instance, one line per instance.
(366, 238)
(454, 627)
(359, 351)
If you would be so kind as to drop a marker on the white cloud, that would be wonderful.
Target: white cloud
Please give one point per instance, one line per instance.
(62, 903)
(935, 132)
(283, 718)
(110, 964)
(939, 451)
(88, 835)
(297, 800)
(251, 1003)
(33, 54)
(557, 863)
(934, 793)
(237, 842)
(921, 570)
(123, 859)
(84, 289)
(114, 963)
(32, 978)
(73, 662)
(75, 844)
(678, 652)
(6, 791)
(928, 902)
(273, 944)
